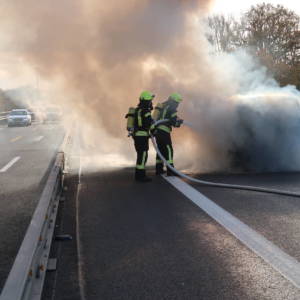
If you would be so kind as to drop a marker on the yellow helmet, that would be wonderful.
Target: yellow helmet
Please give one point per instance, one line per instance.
(176, 97)
(146, 95)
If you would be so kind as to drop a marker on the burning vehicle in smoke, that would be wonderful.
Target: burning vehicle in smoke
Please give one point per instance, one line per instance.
(19, 117)
(52, 114)
(266, 133)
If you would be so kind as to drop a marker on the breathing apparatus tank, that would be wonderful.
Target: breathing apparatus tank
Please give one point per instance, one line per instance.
(157, 110)
(130, 119)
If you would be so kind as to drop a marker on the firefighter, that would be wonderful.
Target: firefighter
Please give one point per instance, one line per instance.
(142, 121)
(166, 110)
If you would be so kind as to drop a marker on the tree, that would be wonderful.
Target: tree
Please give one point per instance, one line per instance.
(271, 33)
(221, 32)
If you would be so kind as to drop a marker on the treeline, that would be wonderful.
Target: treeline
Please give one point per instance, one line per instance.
(6, 102)
(10, 99)
(270, 33)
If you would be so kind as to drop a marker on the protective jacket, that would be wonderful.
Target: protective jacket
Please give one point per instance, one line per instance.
(142, 124)
(142, 121)
(166, 110)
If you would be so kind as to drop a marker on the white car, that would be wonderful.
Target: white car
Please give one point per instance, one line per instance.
(19, 117)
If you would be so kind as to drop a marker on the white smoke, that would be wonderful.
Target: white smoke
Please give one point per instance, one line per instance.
(99, 56)
(251, 123)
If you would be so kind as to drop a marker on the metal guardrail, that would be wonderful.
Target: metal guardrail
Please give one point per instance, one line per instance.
(26, 278)
(3, 115)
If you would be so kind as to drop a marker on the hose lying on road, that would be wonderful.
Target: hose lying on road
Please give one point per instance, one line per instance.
(216, 184)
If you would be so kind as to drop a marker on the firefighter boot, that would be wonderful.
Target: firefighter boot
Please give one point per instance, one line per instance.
(140, 176)
(170, 172)
(159, 169)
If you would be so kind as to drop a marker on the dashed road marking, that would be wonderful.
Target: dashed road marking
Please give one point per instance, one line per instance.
(39, 138)
(15, 139)
(10, 164)
(288, 266)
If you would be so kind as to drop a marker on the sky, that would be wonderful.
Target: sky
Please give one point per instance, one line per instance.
(236, 7)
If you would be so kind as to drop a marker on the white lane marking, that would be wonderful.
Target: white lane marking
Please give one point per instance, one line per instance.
(288, 266)
(79, 244)
(39, 138)
(10, 164)
(15, 139)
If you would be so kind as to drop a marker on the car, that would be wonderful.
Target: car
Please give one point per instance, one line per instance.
(19, 117)
(52, 114)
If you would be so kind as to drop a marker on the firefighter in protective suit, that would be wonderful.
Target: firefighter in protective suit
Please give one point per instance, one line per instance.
(142, 121)
(166, 110)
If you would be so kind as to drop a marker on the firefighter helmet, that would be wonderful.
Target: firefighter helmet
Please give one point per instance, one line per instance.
(176, 97)
(145, 95)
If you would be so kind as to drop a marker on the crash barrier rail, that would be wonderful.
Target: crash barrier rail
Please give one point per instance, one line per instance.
(3, 115)
(26, 278)
(216, 184)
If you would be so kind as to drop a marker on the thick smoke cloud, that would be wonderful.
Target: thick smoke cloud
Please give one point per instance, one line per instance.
(99, 55)
(99, 49)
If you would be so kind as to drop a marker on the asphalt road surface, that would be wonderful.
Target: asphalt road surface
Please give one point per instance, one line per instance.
(149, 241)
(26, 154)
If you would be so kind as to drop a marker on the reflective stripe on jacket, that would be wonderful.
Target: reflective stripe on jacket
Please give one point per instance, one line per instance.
(142, 121)
(164, 111)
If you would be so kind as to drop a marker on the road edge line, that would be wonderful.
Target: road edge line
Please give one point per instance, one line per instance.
(285, 264)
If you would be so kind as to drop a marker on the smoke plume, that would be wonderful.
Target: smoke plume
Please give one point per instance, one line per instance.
(99, 55)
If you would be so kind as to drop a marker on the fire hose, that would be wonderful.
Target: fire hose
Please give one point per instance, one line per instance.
(215, 184)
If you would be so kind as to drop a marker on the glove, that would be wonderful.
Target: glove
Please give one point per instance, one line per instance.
(178, 123)
(153, 130)
(130, 132)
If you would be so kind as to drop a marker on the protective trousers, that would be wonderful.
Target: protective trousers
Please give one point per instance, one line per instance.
(141, 144)
(164, 143)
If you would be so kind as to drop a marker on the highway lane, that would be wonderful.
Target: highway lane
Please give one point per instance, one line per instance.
(21, 181)
(276, 217)
(148, 241)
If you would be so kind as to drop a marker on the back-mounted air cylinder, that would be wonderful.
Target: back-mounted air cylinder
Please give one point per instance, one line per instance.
(130, 118)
